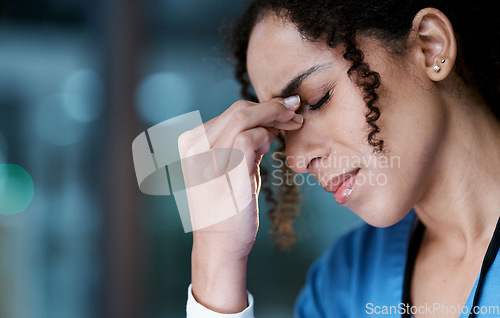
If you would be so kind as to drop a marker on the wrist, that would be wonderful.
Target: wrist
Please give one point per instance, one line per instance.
(227, 249)
(219, 283)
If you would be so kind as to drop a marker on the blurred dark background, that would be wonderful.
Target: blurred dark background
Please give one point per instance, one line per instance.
(79, 80)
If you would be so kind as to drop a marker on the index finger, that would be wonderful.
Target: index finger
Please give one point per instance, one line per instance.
(264, 114)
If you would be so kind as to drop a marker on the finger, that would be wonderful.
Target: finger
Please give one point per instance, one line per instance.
(293, 124)
(203, 137)
(277, 109)
(244, 115)
(223, 118)
(253, 143)
(214, 127)
(265, 147)
(259, 115)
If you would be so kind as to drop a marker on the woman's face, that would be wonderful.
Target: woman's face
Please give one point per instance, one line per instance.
(333, 138)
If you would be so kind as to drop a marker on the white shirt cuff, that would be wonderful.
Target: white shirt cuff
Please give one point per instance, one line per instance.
(196, 310)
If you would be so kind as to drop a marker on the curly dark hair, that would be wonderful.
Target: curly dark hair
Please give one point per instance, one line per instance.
(340, 22)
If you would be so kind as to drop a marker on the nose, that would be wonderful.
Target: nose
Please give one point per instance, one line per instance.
(301, 154)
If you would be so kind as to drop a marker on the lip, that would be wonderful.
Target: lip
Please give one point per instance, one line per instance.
(336, 182)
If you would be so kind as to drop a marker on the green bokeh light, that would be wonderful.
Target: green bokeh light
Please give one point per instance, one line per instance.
(16, 189)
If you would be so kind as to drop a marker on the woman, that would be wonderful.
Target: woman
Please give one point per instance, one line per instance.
(366, 80)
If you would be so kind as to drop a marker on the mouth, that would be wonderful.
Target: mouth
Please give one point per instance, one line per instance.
(341, 185)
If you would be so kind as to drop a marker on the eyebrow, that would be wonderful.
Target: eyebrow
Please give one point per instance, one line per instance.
(295, 83)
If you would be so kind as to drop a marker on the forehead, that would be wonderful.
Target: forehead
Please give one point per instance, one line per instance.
(277, 53)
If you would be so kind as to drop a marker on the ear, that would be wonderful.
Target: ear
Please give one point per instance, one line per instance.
(435, 45)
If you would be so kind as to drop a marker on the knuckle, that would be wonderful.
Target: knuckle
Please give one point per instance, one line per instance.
(240, 117)
(243, 142)
(240, 105)
(281, 111)
(262, 133)
(278, 106)
(269, 139)
(266, 147)
(185, 142)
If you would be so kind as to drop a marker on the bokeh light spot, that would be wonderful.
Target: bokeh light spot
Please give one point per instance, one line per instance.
(164, 95)
(16, 189)
(84, 95)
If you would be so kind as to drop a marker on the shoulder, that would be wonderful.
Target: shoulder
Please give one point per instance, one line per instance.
(366, 242)
(363, 264)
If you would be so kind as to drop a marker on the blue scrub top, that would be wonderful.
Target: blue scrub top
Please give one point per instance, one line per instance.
(363, 274)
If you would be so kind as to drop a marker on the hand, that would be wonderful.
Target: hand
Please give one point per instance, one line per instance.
(225, 220)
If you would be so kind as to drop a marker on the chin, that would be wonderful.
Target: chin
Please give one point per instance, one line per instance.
(381, 213)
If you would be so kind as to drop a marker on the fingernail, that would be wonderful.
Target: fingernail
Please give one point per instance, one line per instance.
(292, 102)
(298, 118)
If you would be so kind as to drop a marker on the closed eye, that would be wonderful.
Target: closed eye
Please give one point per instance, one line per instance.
(322, 101)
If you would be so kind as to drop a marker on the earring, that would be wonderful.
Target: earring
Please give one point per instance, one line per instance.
(437, 68)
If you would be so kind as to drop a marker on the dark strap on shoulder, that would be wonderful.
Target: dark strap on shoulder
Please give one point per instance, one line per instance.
(413, 248)
(489, 258)
(415, 240)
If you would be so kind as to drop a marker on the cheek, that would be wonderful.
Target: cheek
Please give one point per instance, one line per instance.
(412, 130)
(342, 120)
(412, 127)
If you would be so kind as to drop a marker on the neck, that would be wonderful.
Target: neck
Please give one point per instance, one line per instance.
(461, 204)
